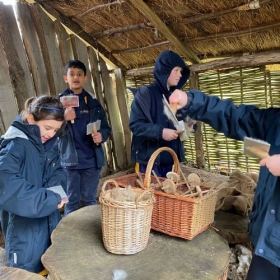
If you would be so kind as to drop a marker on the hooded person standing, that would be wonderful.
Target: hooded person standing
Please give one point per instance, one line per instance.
(151, 128)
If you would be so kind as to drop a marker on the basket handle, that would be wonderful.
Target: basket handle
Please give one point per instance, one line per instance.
(103, 188)
(147, 179)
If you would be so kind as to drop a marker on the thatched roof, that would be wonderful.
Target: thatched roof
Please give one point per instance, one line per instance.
(132, 33)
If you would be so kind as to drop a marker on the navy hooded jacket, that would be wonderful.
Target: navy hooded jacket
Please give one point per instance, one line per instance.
(237, 122)
(147, 118)
(68, 150)
(28, 210)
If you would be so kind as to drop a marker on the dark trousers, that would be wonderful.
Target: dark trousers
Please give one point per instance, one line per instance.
(262, 269)
(81, 186)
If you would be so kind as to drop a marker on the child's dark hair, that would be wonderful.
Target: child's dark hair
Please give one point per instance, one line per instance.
(75, 64)
(43, 107)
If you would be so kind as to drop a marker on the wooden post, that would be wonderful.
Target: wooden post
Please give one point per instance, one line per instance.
(200, 159)
(121, 92)
(15, 56)
(8, 106)
(114, 117)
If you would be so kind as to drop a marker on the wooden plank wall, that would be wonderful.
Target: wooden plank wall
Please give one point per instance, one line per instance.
(8, 104)
(33, 52)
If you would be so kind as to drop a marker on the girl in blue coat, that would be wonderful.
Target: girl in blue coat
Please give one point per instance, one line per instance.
(29, 164)
(237, 122)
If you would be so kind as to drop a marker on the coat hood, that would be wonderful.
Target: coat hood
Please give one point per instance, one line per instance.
(18, 129)
(14, 132)
(165, 63)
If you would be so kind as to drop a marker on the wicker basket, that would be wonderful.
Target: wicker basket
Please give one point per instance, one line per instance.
(173, 214)
(125, 225)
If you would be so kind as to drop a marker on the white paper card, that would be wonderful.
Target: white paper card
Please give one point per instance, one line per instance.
(89, 128)
(59, 190)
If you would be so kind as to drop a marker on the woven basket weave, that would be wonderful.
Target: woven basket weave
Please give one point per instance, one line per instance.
(125, 225)
(173, 214)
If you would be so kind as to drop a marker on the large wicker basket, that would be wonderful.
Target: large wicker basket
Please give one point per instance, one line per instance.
(125, 225)
(175, 215)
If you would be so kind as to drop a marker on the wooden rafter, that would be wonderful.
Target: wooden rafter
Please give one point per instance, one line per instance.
(207, 37)
(123, 29)
(253, 60)
(141, 48)
(199, 18)
(235, 33)
(100, 7)
(113, 31)
(167, 33)
(81, 33)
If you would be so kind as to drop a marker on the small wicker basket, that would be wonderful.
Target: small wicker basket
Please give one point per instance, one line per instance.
(125, 225)
(176, 215)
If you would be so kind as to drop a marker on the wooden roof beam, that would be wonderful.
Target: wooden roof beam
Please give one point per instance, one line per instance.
(246, 7)
(184, 50)
(123, 29)
(101, 6)
(206, 37)
(235, 33)
(141, 48)
(81, 33)
(253, 60)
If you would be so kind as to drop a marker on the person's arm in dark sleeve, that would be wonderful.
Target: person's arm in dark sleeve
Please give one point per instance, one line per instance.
(19, 196)
(140, 126)
(226, 117)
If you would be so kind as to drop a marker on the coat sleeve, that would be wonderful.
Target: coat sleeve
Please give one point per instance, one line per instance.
(140, 126)
(55, 174)
(17, 195)
(58, 177)
(224, 116)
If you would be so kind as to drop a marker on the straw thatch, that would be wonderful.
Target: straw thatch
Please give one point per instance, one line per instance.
(232, 48)
(132, 33)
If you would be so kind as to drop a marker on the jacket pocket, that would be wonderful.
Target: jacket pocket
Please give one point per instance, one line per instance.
(272, 238)
(25, 247)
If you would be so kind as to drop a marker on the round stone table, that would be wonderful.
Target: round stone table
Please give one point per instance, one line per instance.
(77, 253)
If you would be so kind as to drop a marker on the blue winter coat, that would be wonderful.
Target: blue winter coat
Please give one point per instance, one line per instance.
(67, 147)
(264, 124)
(147, 118)
(28, 211)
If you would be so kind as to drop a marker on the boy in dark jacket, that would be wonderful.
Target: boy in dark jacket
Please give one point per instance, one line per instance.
(82, 155)
(237, 122)
(151, 128)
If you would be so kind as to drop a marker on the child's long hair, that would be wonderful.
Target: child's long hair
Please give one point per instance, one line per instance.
(43, 108)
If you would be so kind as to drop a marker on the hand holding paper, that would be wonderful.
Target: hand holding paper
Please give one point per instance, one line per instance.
(70, 114)
(92, 128)
(59, 190)
(70, 101)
